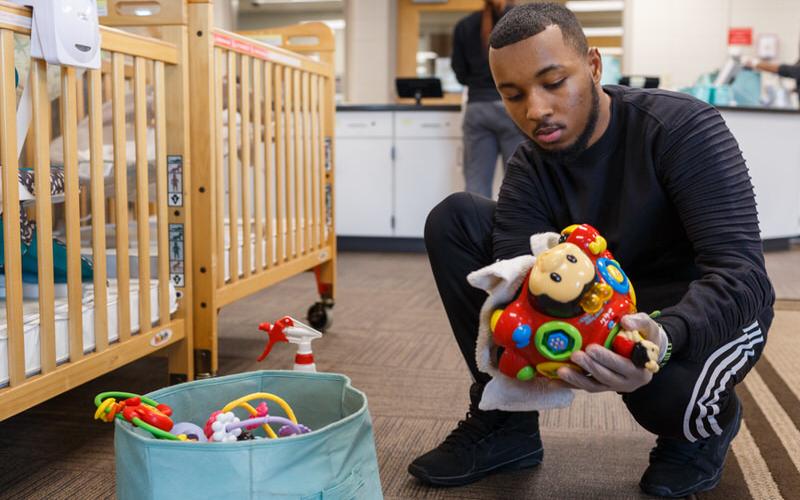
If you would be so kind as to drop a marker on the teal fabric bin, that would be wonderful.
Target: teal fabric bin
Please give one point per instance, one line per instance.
(336, 461)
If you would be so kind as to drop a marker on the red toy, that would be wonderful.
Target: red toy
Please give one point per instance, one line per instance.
(576, 295)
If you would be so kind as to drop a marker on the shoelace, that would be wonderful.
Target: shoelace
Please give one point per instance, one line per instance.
(473, 428)
(676, 451)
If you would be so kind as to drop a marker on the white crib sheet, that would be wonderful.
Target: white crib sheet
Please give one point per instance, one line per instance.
(31, 324)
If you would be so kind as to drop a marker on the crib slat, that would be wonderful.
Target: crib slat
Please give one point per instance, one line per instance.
(39, 138)
(11, 221)
(98, 210)
(142, 190)
(258, 171)
(233, 178)
(121, 195)
(297, 118)
(314, 142)
(220, 62)
(161, 194)
(290, 162)
(247, 187)
(80, 97)
(321, 143)
(307, 185)
(269, 157)
(69, 113)
(280, 165)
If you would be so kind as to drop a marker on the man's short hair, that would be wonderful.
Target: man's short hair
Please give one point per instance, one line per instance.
(531, 19)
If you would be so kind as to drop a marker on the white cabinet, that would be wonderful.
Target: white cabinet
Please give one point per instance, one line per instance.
(392, 167)
(364, 187)
(772, 152)
(364, 166)
(428, 166)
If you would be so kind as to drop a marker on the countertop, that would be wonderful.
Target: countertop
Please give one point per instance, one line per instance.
(754, 109)
(397, 107)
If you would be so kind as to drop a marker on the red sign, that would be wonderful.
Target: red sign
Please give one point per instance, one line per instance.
(740, 36)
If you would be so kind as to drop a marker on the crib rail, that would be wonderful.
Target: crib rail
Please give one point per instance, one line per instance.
(273, 158)
(149, 62)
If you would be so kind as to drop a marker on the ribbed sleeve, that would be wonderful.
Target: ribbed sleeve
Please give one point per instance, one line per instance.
(520, 210)
(706, 178)
(789, 71)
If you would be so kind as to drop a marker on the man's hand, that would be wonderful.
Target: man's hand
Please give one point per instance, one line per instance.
(609, 370)
(750, 62)
(648, 329)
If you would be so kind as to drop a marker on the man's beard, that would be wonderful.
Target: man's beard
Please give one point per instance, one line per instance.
(574, 150)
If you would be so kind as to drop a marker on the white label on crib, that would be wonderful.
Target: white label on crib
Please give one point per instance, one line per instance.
(176, 255)
(175, 180)
(161, 338)
(102, 8)
(15, 20)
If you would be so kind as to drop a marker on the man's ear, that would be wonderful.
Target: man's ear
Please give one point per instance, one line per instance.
(595, 64)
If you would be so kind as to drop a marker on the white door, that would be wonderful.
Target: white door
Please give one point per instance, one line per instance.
(426, 171)
(363, 186)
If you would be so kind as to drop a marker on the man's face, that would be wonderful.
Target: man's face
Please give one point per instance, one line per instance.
(549, 90)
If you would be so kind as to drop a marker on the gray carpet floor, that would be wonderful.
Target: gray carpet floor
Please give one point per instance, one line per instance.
(390, 335)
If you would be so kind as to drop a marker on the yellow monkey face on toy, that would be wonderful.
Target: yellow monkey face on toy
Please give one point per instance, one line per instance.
(562, 273)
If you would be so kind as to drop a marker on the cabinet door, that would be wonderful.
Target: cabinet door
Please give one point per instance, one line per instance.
(774, 163)
(426, 171)
(364, 186)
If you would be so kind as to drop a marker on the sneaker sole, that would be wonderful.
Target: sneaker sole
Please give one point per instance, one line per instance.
(531, 460)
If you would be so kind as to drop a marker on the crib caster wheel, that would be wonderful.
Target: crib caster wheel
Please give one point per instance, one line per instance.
(320, 316)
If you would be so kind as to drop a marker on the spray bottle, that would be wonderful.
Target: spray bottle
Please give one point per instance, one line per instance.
(288, 329)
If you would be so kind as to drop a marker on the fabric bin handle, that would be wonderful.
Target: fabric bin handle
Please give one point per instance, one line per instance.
(345, 490)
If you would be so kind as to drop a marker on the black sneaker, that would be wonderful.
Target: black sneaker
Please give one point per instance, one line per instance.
(483, 443)
(679, 468)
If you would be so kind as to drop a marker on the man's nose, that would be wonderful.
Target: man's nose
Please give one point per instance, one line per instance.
(538, 109)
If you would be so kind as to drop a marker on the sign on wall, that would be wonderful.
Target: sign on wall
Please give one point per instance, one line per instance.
(740, 36)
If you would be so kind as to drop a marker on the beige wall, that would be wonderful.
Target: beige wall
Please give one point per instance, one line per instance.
(224, 15)
(370, 45)
(681, 39)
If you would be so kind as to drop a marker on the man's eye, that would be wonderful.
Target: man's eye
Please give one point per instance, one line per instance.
(555, 85)
(514, 98)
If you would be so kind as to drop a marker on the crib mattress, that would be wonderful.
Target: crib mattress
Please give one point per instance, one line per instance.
(31, 324)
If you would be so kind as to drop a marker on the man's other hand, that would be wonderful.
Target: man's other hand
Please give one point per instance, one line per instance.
(609, 371)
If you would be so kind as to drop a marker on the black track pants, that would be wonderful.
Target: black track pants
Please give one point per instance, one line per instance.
(686, 398)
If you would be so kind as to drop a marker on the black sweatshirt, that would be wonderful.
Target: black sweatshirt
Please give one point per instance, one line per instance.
(791, 71)
(470, 60)
(668, 188)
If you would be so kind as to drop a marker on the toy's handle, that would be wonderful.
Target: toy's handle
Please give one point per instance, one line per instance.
(275, 333)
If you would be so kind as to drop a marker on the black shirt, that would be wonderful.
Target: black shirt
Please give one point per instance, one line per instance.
(470, 60)
(791, 71)
(668, 188)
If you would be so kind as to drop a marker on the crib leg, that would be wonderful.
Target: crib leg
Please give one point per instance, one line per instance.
(181, 361)
(320, 314)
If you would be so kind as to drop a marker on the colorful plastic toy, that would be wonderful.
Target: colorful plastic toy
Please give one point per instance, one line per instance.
(140, 411)
(576, 295)
(221, 426)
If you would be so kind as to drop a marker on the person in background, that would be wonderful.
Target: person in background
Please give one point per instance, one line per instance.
(784, 70)
(487, 128)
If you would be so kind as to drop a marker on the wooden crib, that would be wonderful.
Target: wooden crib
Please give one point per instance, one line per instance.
(261, 126)
(282, 160)
(142, 303)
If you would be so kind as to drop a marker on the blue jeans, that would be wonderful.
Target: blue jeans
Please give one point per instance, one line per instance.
(488, 131)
